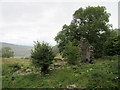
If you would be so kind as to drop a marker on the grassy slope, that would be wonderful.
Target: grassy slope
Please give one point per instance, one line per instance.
(101, 74)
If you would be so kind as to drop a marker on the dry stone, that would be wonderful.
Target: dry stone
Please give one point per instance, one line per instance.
(86, 51)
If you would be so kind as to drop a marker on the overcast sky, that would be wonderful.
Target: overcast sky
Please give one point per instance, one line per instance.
(25, 22)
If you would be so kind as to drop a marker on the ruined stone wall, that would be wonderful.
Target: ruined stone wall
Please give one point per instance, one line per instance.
(86, 51)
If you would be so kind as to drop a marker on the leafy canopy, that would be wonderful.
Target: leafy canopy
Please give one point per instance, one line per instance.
(90, 23)
(112, 45)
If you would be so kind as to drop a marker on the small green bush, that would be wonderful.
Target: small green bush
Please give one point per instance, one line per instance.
(42, 56)
(112, 45)
(71, 53)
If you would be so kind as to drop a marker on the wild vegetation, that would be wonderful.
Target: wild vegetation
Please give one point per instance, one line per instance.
(91, 23)
(42, 56)
(102, 74)
(64, 68)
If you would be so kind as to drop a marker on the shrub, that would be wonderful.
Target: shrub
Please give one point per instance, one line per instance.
(71, 53)
(42, 56)
(112, 46)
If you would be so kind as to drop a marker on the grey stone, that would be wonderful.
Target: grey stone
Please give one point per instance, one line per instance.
(86, 51)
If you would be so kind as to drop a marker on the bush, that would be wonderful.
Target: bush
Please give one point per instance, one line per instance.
(42, 56)
(71, 53)
(112, 46)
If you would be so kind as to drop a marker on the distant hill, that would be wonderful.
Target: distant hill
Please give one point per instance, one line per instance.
(19, 50)
(23, 51)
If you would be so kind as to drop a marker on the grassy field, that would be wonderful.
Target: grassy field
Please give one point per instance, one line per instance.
(15, 60)
(20, 73)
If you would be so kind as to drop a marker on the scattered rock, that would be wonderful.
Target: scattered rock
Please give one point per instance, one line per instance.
(71, 86)
(87, 70)
(60, 85)
(57, 66)
(17, 72)
(28, 70)
(90, 69)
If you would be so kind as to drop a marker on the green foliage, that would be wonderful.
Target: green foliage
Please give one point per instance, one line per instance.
(116, 57)
(8, 69)
(112, 45)
(90, 23)
(71, 53)
(6, 52)
(102, 74)
(15, 67)
(42, 56)
(102, 80)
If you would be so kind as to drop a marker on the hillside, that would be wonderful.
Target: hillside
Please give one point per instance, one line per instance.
(19, 50)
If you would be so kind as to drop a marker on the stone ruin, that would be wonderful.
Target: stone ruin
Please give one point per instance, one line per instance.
(86, 51)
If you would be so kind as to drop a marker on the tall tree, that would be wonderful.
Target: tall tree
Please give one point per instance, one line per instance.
(90, 23)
